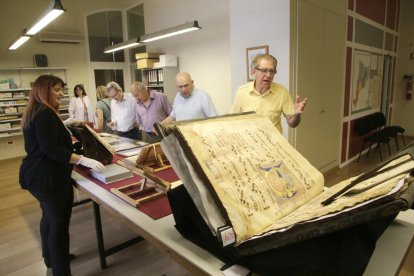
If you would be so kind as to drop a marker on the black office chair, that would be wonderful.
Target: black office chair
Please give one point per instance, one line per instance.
(367, 129)
(390, 131)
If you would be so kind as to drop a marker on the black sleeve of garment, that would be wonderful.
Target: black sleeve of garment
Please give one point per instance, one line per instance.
(50, 134)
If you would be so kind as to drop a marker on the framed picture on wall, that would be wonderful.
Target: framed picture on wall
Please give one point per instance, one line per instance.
(366, 81)
(250, 54)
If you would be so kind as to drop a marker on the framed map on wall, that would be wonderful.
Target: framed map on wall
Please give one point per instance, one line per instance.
(366, 81)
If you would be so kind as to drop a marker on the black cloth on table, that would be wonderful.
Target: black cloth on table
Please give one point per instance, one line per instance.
(344, 252)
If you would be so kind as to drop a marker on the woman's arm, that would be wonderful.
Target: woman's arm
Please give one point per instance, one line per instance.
(75, 158)
(87, 162)
(99, 114)
(72, 107)
(50, 133)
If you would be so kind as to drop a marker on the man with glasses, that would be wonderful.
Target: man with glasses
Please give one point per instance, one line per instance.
(268, 98)
(190, 102)
(122, 112)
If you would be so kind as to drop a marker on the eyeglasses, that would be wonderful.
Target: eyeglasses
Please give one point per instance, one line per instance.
(183, 86)
(113, 94)
(265, 71)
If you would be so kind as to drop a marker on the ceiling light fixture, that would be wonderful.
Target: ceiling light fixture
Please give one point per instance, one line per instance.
(19, 42)
(55, 9)
(180, 29)
(123, 45)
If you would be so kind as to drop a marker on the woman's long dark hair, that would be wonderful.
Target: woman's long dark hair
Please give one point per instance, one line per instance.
(40, 98)
(79, 86)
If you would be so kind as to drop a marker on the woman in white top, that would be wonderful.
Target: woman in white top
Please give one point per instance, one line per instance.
(80, 106)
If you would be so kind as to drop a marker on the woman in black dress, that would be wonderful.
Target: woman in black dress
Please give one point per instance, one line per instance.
(46, 170)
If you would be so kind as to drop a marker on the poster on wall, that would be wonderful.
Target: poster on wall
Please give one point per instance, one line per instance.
(366, 88)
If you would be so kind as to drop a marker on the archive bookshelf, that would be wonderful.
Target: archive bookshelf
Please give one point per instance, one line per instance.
(15, 85)
(161, 80)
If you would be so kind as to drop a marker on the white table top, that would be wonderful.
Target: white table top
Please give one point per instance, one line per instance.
(161, 232)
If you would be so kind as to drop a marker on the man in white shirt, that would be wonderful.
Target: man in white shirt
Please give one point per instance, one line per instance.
(190, 102)
(122, 112)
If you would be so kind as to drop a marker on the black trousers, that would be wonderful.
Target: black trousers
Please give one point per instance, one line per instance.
(54, 228)
(150, 137)
(133, 133)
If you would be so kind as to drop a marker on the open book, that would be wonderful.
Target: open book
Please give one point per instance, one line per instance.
(103, 146)
(121, 145)
(94, 146)
(248, 182)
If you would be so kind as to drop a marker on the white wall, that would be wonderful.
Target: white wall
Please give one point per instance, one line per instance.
(205, 53)
(215, 56)
(19, 14)
(262, 22)
(215, 60)
(403, 110)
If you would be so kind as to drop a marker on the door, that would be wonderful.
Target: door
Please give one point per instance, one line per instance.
(319, 43)
(103, 72)
(103, 76)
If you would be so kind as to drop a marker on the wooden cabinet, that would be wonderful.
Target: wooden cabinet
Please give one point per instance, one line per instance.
(15, 85)
(161, 80)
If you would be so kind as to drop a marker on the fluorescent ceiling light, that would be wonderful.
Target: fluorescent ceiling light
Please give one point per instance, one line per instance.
(123, 45)
(19, 42)
(55, 9)
(49, 17)
(180, 29)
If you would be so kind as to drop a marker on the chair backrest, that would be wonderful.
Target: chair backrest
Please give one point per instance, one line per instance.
(370, 123)
(362, 126)
(380, 119)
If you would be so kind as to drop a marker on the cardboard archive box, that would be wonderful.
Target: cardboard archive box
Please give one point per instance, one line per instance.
(146, 63)
(146, 60)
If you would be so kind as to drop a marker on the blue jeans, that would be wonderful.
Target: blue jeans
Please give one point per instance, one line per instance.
(54, 228)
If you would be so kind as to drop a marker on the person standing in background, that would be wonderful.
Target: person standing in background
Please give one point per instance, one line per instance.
(103, 109)
(190, 102)
(123, 117)
(46, 170)
(266, 97)
(80, 106)
(152, 107)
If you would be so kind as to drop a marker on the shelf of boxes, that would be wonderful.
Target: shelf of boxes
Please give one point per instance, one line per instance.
(14, 93)
(161, 80)
(158, 72)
